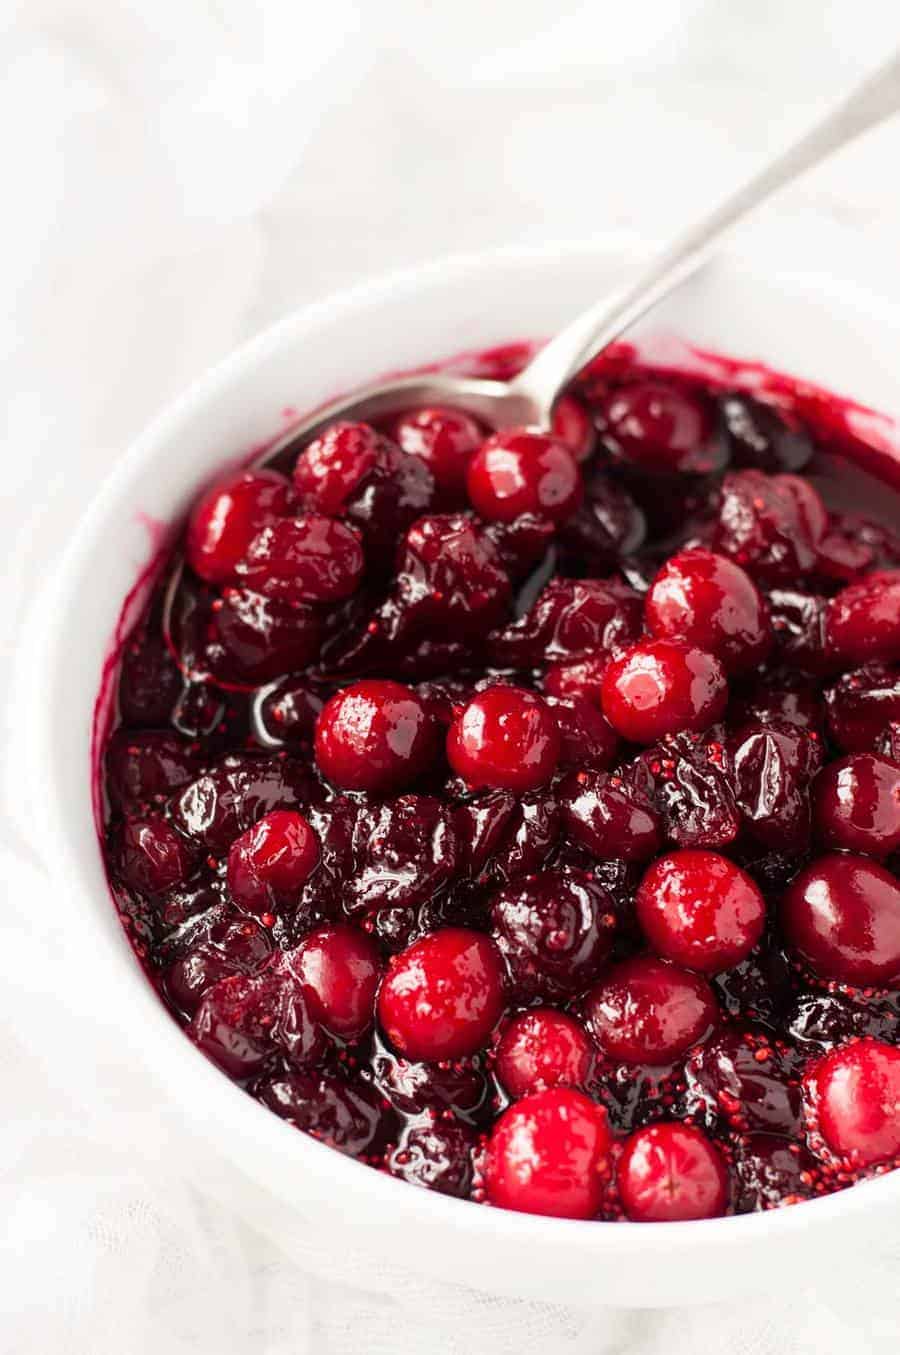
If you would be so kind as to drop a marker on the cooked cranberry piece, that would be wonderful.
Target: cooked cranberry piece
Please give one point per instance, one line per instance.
(502, 836)
(769, 771)
(709, 601)
(816, 1022)
(444, 438)
(739, 1081)
(700, 910)
(261, 637)
(268, 864)
(671, 1172)
(609, 817)
(243, 1019)
(304, 559)
(757, 988)
(286, 712)
(659, 429)
(227, 518)
(152, 856)
(571, 619)
(524, 547)
(693, 790)
(770, 1171)
(375, 736)
(442, 997)
(236, 793)
(770, 524)
(781, 699)
(799, 630)
(587, 739)
(555, 930)
(347, 1115)
(507, 738)
(550, 1153)
(519, 471)
(145, 767)
(542, 1048)
(842, 914)
(648, 1011)
(863, 623)
(607, 526)
(436, 1155)
(888, 742)
(406, 851)
(339, 968)
(227, 945)
(332, 467)
(762, 437)
(854, 1093)
(857, 805)
(861, 704)
(580, 679)
(661, 686)
(414, 1088)
(150, 681)
(573, 425)
(449, 575)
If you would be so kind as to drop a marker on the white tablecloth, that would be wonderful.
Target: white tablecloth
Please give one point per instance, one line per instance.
(177, 176)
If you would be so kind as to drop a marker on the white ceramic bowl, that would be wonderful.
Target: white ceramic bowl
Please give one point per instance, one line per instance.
(833, 335)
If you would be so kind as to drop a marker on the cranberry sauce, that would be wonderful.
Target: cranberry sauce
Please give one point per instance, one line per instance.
(519, 813)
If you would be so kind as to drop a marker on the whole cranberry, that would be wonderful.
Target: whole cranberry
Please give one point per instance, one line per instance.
(671, 1172)
(769, 1171)
(339, 969)
(268, 864)
(609, 817)
(332, 467)
(856, 805)
(659, 687)
(505, 737)
(345, 1114)
(450, 577)
(542, 1048)
(375, 736)
(739, 1080)
(861, 705)
(761, 436)
(863, 622)
(152, 856)
(227, 518)
(709, 601)
(436, 1154)
(445, 439)
(580, 679)
(660, 429)
(854, 1092)
(700, 910)
(573, 425)
(442, 997)
(842, 915)
(555, 930)
(770, 524)
(261, 637)
(520, 471)
(550, 1153)
(649, 1011)
(304, 559)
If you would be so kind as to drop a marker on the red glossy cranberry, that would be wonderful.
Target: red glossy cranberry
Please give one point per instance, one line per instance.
(842, 914)
(857, 805)
(304, 559)
(670, 1172)
(261, 637)
(518, 471)
(769, 1171)
(861, 705)
(739, 1081)
(347, 1115)
(442, 997)
(571, 619)
(770, 524)
(863, 622)
(339, 968)
(609, 817)
(506, 737)
(436, 1155)
(550, 1154)
(146, 767)
(375, 736)
(542, 1048)
(659, 687)
(709, 601)
(854, 1093)
(152, 856)
(700, 910)
(658, 428)
(445, 439)
(579, 679)
(268, 864)
(332, 467)
(762, 437)
(227, 518)
(573, 425)
(555, 931)
(649, 1011)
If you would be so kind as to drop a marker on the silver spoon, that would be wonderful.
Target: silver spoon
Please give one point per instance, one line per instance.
(529, 398)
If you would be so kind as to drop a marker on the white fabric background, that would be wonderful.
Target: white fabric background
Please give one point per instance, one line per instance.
(178, 175)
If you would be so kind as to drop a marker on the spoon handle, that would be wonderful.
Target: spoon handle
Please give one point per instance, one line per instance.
(877, 98)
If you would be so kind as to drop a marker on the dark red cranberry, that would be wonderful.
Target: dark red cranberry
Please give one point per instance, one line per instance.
(227, 945)
(261, 637)
(146, 767)
(700, 910)
(550, 1153)
(327, 889)
(242, 1019)
(150, 682)
(449, 575)
(649, 1011)
(609, 817)
(405, 851)
(334, 465)
(445, 439)
(571, 619)
(216, 808)
(436, 1155)
(375, 736)
(857, 805)
(523, 546)
(861, 705)
(863, 623)
(769, 1171)
(152, 856)
(757, 988)
(842, 915)
(739, 1081)
(761, 437)
(286, 712)
(607, 526)
(414, 1088)
(520, 471)
(799, 631)
(670, 1172)
(770, 524)
(347, 1115)
(339, 968)
(442, 997)
(227, 518)
(816, 1022)
(781, 699)
(888, 742)
(656, 428)
(555, 931)
(770, 769)
(506, 738)
(710, 602)
(854, 1092)
(587, 739)
(658, 687)
(304, 559)
(542, 1048)
(502, 836)
(269, 863)
(573, 425)
(579, 680)
(693, 790)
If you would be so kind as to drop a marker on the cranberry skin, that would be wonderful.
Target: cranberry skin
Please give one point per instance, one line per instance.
(146, 767)
(332, 467)
(507, 738)
(542, 1048)
(518, 471)
(659, 687)
(150, 682)
(286, 712)
(700, 910)
(555, 930)
(854, 1093)
(445, 439)
(442, 997)
(770, 524)
(842, 915)
(861, 705)
(656, 428)
(375, 736)
(415, 1089)
(770, 769)
(502, 836)
(346, 1115)
(856, 805)
(587, 739)
(709, 601)
(262, 637)
(571, 619)
(304, 559)
(243, 1020)
(449, 578)
(770, 1171)
(227, 945)
(608, 817)
(649, 1011)
(339, 969)
(227, 518)
(405, 851)
(216, 808)
(436, 1155)
(671, 1172)
(863, 622)
(572, 425)
(152, 856)
(269, 863)
(739, 1081)
(550, 1154)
